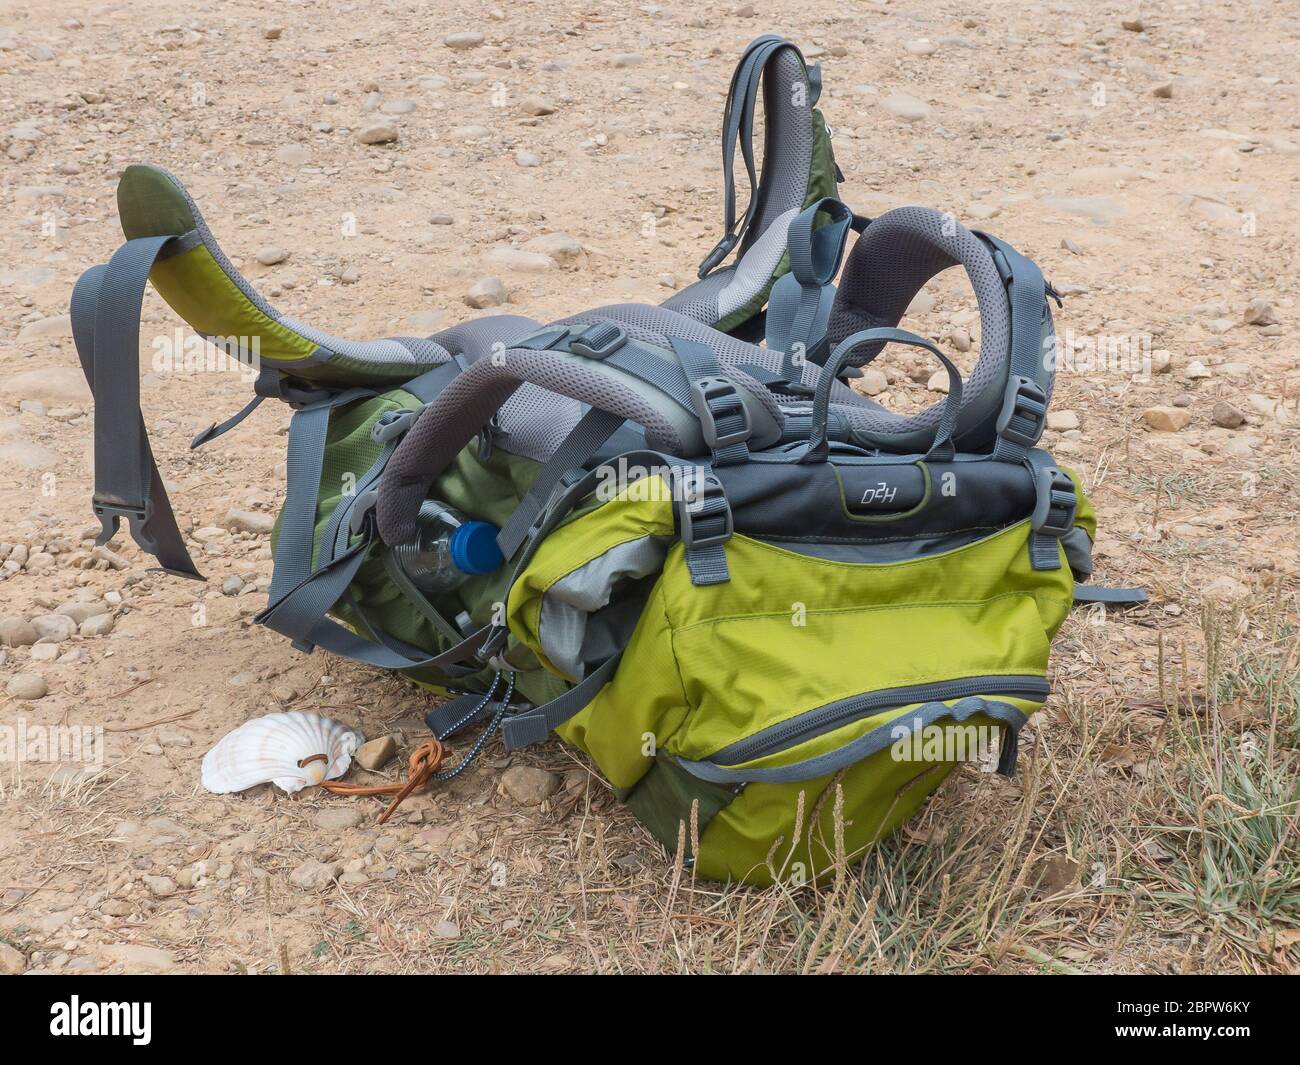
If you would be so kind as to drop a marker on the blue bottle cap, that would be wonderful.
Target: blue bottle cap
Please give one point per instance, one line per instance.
(474, 548)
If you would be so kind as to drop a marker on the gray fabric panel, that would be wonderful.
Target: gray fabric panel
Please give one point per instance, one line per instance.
(787, 145)
(700, 300)
(474, 339)
(756, 266)
(571, 605)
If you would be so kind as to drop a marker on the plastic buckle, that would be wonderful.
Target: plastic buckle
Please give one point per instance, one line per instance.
(1024, 399)
(110, 517)
(714, 397)
(701, 490)
(1055, 503)
(362, 510)
(598, 341)
(720, 251)
(392, 424)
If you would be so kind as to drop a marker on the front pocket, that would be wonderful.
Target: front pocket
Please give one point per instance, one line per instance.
(787, 735)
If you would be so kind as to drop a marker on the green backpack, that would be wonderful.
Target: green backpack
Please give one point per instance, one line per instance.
(774, 613)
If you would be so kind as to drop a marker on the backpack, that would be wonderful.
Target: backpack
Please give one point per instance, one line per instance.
(766, 607)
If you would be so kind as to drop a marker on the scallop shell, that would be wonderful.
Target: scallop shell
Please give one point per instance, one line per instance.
(283, 749)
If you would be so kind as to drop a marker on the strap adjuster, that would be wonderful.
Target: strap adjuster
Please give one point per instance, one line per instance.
(697, 528)
(598, 341)
(714, 398)
(1055, 503)
(392, 424)
(1024, 412)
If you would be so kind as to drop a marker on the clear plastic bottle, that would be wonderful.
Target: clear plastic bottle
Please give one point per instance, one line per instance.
(448, 549)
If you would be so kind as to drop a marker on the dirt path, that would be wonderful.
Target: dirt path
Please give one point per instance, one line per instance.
(1153, 172)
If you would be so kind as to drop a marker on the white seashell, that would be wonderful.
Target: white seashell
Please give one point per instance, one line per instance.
(284, 749)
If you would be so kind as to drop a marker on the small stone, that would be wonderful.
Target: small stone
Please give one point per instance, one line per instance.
(905, 107)
(537, 106)
(1166, 419)
(938, 381)
(116, 908)
(272, 33)
(313, 874)
(527, 159)
(489, 292)
(100, 625)
(45, 652)
(12, 960)
(1227, 416)
(337, 818)
(54, 627)
(447, 930)
(80, 612)
(872, 382)
(527, 262)
(160, 886)
(398, 107)
(15, 632)
(463, 41)
(378, 133)
(1062, 420)
(376, 753)
(1259, 312)
(921, 46)
(271, 255)
(1133, 25)
(1164, 91)
(527, 785)
(627, 59)
(232, 585)
(559, 246)
(29, 686)
(1196, 371)
(250, 521)
(960, 339)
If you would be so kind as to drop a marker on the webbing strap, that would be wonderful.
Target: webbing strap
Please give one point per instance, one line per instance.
(878, 739)
(1054, 509)
(1092, 593)
(105, 314)
(799, 308)
(1024, 408)
(533, 726)
(585, 439)
(738, 123)
(705, 524)
(724, 421)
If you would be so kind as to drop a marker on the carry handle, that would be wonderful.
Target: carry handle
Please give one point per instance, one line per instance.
(941, 450)
(873, 742)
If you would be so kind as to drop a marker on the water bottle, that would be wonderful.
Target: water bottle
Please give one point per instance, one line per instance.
(448, 549)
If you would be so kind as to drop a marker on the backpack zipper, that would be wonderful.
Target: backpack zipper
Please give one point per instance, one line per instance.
(831, 716)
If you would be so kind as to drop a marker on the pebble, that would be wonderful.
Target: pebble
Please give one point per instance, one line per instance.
(447, 930)
(398, 107)
(377, 753)
(1166, 419)
(872, 382)
(921, 46)
(337, 818)
(272, 33)
(559, 246)
(937, 381)
(54, 627)
(627, 59)
(250, 521)
(45, 652)
(312, 874)
(160, 886)
(80, 612)
(271, 255)
(12, 960)
(527, 785)
(232, 585)
(462, 41)
(1227, 416)
(527, 262)
(905, 107)
(537, 106)
(1259, 312)
(99, 625)
(29, 686)
(1163, 91)
(527, 159)
(489, 292)
(378, 133)
(1062, 420)
(1133, 25)
(15, 632)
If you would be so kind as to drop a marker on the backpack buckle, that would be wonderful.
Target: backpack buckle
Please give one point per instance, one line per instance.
(705, 515)
(720, 251)
(598, 341)
(1024, 412)
(714, 398)
(1055, 503)
(392, 424)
